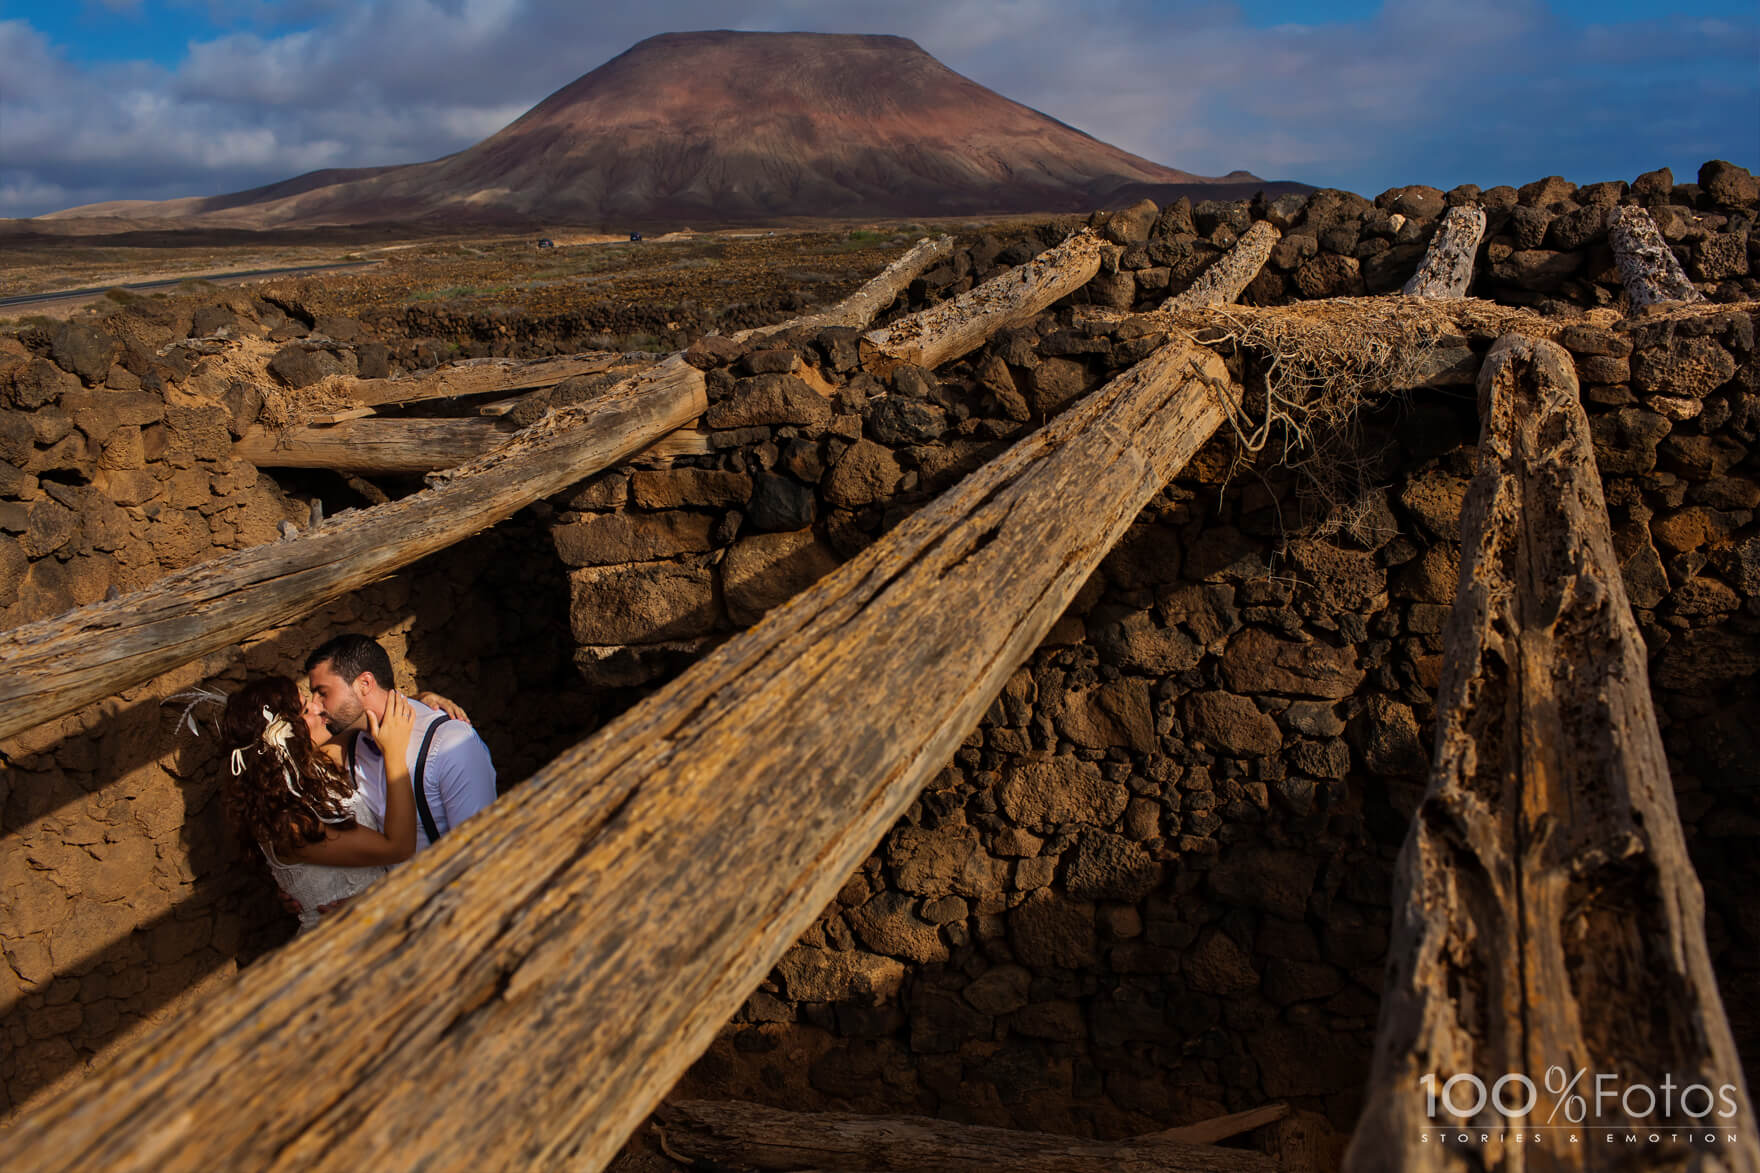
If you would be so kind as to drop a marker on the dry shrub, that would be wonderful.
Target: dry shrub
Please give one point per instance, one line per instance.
(1318, 363)
(1312, 367)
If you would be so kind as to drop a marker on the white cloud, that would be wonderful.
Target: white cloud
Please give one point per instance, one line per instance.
(1424, 91)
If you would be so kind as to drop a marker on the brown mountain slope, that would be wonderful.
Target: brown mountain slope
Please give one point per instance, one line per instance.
(726, 126)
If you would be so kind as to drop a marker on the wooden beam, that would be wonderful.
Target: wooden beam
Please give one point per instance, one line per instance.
(961, 324)
(862, 306)
(477, 376)
(1225, 280)
(490, 1004)
(1447, 267)
(690, 440)
(1387, 311)
(54, 666)
(374, 445)
(320, 418)
(1547, 920)
(1222, 1127)
(752, 1136)
(1428, 333)
(1648, 267)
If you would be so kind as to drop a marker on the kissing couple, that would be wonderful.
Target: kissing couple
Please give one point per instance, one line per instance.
(336, 788)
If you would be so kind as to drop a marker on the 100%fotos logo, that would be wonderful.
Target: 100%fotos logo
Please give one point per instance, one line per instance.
(1515, 1095)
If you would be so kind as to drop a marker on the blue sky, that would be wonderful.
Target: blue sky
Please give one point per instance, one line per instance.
(150, 99)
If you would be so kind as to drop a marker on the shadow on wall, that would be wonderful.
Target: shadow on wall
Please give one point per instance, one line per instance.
(124, 897)
(121, 889)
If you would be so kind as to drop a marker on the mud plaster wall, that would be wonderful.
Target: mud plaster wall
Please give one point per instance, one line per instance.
(123, 896)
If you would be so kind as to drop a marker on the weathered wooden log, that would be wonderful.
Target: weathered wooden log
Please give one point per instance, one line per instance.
(1388, 343)
(1224, 281)
(758, 1137)
(1648, 267)
(1447, 267)
(374, 445)
(856, 311)
(861, 307)
(1301, 1143)
(1373, 314)
(477, 376)
(56, 665)
(399, 446)
(690, 440)
(1221, 1127)
(524, 993)
(961, 324)
(1547, 921)
(335, 417)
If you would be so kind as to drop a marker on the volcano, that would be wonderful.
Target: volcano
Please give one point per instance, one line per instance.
(731, 127)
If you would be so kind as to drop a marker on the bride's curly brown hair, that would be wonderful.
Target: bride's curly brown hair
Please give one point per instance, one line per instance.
(257, 800)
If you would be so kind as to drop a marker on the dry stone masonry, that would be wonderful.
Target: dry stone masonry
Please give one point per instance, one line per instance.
(1153, 884)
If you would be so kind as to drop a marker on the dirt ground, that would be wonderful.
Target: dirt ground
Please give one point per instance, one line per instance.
(694, 281)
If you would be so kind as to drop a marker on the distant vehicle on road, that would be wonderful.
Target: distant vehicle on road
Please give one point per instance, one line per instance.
(546, 244)
(635, 236)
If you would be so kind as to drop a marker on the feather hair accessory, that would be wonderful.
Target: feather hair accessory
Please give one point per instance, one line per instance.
(195, 698)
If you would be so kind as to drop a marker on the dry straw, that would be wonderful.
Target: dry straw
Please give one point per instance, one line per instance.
(1314, 366)
(288, 408)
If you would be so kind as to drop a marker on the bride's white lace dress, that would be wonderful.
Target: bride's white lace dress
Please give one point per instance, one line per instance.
(313, 885)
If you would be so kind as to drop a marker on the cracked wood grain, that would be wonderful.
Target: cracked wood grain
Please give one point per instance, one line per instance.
(1447, 267)
(1223, 282)
(961, 324)
(373, 445)
(477, 376)
(1545, 910)
(862, 306)
(524, 993)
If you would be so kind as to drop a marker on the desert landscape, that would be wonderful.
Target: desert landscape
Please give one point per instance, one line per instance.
(998, 653)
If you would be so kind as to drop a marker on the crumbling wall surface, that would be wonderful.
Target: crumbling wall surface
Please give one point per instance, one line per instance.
(122, 894)
(1154, 884)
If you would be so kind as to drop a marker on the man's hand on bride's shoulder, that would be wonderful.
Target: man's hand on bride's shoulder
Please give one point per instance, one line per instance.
(445, 704)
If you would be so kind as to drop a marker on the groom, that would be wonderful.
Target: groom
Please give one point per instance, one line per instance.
(449, 764)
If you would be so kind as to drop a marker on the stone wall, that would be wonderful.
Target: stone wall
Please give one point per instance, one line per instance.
(1154, 884)
(1545, 244)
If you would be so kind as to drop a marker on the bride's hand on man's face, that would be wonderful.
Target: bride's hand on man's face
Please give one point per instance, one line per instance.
(392, 732)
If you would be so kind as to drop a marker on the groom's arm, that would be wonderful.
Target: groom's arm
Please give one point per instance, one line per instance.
(462, 777)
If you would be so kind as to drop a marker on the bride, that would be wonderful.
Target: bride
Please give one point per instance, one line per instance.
(287, 793)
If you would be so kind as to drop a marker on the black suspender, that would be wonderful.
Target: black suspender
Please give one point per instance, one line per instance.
(422, 809)
(427, 815)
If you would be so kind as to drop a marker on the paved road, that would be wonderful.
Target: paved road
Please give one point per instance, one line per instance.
(29, 299)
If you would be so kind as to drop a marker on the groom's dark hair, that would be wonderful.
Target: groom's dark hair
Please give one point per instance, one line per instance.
(352, 654)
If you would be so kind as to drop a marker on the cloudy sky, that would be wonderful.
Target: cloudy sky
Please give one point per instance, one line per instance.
(150, 99)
